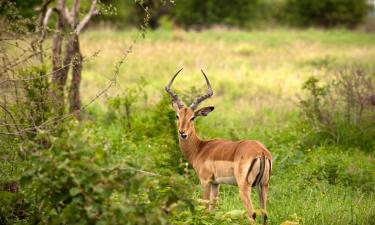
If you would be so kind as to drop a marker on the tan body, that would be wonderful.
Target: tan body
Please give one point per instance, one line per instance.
(245, 163)
(222, 161)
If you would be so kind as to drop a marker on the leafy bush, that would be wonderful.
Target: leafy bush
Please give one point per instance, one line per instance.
(146, 127)
(335, 167)
(341, 111)
(72, 183)
(325, 13)
(206, 13)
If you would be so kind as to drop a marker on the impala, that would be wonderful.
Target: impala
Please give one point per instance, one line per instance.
(245, 163)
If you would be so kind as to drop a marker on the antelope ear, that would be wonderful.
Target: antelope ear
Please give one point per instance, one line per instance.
(204, 111)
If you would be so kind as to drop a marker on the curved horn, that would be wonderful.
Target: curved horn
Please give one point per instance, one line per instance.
(174, 96)
(208, 94)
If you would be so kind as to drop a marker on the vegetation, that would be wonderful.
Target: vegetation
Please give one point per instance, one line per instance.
(259, 94)
(327, 13)
(306, 94)
(244, 13)
(240, 13)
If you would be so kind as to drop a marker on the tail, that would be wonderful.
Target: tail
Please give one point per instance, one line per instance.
(259, 177)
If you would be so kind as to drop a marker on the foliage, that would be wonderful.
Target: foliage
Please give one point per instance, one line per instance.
(205, 13)
(342, 111)
(336, 168)
(27, 8)
(72, 182)
(327, 13)
(124, 13)
(15, 19)
(154, 127)
(240, 13)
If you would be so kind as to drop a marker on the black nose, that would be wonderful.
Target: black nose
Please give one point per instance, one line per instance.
(182, 133)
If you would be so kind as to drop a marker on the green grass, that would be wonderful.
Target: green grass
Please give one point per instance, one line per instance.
(256, 77)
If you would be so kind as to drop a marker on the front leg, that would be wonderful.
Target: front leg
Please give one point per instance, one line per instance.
(206, 189)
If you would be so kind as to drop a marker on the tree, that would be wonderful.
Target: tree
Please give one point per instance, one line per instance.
(68, 26)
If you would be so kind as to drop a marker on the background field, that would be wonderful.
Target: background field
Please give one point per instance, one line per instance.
(257, 79)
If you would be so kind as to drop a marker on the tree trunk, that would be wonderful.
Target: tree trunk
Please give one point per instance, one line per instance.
(57, 76)
(74, 92)
(73, 56)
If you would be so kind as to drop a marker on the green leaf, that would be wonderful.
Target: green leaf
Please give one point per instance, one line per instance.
(74, 191)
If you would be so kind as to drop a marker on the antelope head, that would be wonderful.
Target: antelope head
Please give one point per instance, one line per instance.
(186, 115)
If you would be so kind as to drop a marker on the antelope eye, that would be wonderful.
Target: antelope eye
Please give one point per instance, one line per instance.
(177, 117)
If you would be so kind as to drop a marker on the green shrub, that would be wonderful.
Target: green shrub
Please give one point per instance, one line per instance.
(325, 13)
(336, 167)
(72, 183)
(206, 13)
(150, 127)
(341, 111)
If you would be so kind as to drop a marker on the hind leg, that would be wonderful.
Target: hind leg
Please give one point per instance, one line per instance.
(263, 191)
(213, 195)
(245, 172)
(245, 191)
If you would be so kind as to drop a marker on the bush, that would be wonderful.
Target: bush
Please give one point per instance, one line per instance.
(206, 13)
(145, 127)
(335, 167)
(73, 183)
(326, 13)
(341, 111)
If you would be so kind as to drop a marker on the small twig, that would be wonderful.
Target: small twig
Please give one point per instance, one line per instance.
(20, 61)
(12, 117)
(140, 171)
(48, 74)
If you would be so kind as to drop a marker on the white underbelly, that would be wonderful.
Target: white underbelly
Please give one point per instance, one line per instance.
(225, 180)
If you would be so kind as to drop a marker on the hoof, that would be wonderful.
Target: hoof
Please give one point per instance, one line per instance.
(254, 216)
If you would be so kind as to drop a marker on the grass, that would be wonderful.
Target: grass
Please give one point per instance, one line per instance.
(249, 70)
(256, 77)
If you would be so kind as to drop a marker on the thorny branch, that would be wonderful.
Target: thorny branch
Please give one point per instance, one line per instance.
(48, 74)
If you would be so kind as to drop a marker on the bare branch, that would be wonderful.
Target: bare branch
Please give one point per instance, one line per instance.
(75, 13)
(87, 18)
(68, 16)
(47, 16)
(85, 59)
(44, 14)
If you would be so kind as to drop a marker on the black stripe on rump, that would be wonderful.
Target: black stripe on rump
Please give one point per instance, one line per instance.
(270, 169)
(261, 171)
(251, 167)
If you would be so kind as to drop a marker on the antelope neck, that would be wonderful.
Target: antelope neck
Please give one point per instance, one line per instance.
(190, 147)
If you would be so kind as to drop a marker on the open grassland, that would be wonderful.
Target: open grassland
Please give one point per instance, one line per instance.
(257, 78)
(255, 73)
